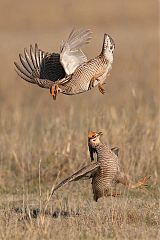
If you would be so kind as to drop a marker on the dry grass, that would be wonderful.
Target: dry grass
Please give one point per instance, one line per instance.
(42, 140)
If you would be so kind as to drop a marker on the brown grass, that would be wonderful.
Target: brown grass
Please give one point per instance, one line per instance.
(42, 141)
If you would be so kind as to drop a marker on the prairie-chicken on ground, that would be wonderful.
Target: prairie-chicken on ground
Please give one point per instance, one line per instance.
(43, 68)
(105, 173)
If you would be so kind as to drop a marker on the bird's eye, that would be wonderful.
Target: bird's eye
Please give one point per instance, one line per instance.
(111, 47)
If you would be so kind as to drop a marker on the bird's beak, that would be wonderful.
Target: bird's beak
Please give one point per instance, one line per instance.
(100, 134)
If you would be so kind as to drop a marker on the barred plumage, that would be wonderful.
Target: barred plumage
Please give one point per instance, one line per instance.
(105, 179)
(79, 82)
(105, 173)
(88, 74)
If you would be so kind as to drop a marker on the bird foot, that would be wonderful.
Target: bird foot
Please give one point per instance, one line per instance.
(91, 84)
(113, 194)
(140, 183)
(101, 89)
(55, 89)
(143, 181)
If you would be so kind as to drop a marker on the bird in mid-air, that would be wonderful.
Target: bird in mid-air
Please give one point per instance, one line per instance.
(88, 74)
(44, 69)
(69, 71)
(105, 173)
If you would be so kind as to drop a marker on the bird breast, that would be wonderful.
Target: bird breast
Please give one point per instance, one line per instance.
(93, 69)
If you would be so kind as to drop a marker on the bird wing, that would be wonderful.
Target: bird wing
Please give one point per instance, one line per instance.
(71, 56)
(39, 67)
(115, 150)
(85, 172)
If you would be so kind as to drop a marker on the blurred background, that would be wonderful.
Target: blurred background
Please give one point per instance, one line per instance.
(33, 127)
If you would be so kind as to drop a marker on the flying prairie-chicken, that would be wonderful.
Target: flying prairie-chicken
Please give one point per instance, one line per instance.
(88, 74)
(44, 69)
(68, 72)
(105, 173)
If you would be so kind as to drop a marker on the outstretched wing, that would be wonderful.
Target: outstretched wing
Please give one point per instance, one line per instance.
(71, 55)
(85, 172)
(38, 67)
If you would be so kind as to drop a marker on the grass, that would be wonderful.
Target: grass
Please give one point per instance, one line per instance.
(42, 141)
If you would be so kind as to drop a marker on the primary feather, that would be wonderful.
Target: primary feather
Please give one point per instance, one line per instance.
(86, 172)
(44, 69)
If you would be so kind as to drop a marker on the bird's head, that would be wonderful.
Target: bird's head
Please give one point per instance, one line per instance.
(108, 47)
(94, 138)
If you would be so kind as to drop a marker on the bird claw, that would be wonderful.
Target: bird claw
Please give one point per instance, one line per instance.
(101, 89)
(143, 181)
(113, 194)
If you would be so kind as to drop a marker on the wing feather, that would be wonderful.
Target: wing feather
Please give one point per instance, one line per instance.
(25, 64)
(24, 77)
(39, 67)
(23, 71)
(45, 69)
(37, 55)
(80, 174)
(28, 59)
(71, 55)
(33, 58)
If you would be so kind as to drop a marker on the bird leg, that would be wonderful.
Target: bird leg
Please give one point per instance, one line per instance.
(91, 84)
(125, 180)
(101, 89)
(140, 183)
(54, 90)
